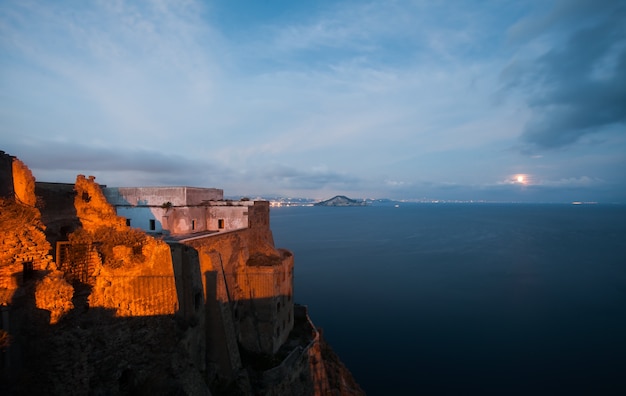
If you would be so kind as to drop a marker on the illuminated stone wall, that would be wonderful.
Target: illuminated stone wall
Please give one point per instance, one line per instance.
(146, 313)
(258, 285)
(142, 282)
(24, 249)
(16, 180)
(23, 183)
(92, 208)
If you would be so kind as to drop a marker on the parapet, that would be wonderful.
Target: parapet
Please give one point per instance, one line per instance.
(159, 196)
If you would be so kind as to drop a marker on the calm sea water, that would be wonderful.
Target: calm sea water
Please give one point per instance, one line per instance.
(466, 299)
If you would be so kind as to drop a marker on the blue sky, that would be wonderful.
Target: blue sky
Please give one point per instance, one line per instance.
(401, 99)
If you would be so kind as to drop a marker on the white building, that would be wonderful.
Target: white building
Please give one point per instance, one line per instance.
(178, 210)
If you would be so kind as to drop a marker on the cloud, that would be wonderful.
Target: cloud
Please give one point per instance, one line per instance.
(124, 68)
(319, 178)
(67, 156)
(373, 97)
(61, 161)
(576, 86)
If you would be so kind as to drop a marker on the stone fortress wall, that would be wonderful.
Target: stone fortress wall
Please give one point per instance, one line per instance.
(23, 245)
(73, 260)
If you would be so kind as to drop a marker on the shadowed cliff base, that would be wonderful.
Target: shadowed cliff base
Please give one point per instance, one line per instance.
(93, 351)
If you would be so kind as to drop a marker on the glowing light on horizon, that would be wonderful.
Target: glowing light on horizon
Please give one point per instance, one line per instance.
(520, 178)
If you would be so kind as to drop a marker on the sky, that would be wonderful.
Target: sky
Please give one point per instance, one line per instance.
(500, 100)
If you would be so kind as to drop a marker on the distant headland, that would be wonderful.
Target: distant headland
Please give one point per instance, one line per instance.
(341, 200)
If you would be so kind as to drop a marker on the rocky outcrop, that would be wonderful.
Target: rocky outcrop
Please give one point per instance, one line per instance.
(340, 379)
(341, 200)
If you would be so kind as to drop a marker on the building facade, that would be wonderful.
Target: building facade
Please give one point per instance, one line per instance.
(178, 210)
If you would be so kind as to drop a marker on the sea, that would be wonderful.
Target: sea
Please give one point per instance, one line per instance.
(466, 299)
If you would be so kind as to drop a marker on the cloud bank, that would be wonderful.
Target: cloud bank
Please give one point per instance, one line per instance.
(577, 86)
(376, 98)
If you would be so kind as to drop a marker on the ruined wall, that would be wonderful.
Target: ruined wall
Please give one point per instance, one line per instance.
(17, 180)
(92, 208)
(146, 319)
(54, 294)
(136, 277)
(112, 332)
(24, 249)
(135, 280)
(144, 286)
(22, 241)
(23, 183)
(58, 212)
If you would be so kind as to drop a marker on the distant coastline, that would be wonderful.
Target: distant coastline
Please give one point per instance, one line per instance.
(341, 201)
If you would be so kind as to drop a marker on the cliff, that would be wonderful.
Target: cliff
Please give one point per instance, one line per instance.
(89, 305)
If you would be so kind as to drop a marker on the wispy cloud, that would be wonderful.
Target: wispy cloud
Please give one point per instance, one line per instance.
(331, 96)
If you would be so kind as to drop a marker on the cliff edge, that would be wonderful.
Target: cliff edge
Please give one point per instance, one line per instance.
(91, 305)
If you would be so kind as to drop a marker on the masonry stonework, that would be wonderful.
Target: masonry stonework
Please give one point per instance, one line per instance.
(93, 305)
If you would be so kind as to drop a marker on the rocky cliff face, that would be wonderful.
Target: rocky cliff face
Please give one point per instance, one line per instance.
(91, 306)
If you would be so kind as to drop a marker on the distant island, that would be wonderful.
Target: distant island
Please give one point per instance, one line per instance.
(341, 200)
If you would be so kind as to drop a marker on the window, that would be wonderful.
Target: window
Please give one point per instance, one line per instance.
(220, 224)
(128, 222)
(193, 224)
(152, 224)
(27, 270)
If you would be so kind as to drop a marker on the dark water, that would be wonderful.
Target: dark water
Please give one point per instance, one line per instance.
(467, 299)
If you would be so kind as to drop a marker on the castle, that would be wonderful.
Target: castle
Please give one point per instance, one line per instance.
(85, 264)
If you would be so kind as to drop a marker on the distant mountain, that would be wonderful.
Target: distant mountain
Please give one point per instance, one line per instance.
(341, 200)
